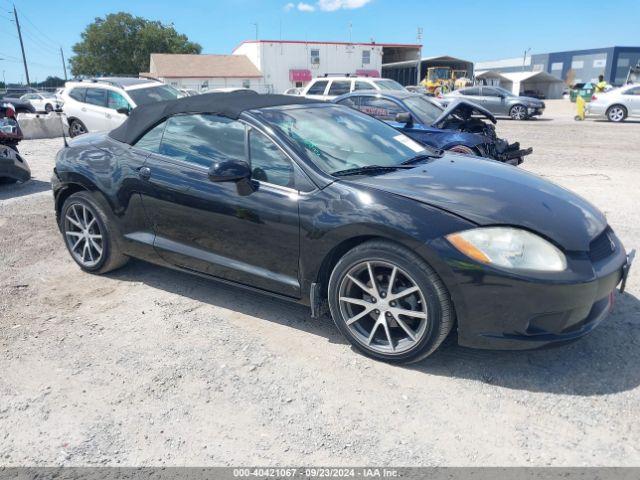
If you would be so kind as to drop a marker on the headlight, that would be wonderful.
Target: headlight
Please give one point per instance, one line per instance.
(509, 248)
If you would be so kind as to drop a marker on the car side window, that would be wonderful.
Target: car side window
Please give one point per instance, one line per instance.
(340, 87)
(380, 108)
(96, 96)
(78, 94)
(116, 101)
(489, 92)
(201, 139)
(150, 141)
(475, 91)
(362, 86)
(268, 163)
(633, 91)
(318, 88)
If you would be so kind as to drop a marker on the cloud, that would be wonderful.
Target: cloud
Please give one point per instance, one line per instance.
(333, 5)
(305, 7)
(326, 5)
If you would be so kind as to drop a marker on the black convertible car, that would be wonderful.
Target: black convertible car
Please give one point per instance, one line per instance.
(326, 206)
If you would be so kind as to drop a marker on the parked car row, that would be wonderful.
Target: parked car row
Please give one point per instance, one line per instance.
(321, 204)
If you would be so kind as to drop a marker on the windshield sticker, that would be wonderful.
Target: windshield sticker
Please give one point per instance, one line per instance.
(407, 142)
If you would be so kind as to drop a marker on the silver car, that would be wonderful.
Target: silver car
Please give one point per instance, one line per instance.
(499, 101)
(616, 105)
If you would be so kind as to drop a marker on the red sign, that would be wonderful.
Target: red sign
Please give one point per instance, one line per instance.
(299, 75)
(368, 73)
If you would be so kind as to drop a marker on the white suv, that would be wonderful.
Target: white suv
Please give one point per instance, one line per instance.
(328, 88)
(103, 103)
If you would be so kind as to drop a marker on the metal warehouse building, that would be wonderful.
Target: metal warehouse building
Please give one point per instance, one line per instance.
(575, 66)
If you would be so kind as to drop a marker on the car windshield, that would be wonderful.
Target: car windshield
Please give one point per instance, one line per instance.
(504, 91)
(143, 96)
(48, 95)
(338, 138)
(388, 85)
(426, 111)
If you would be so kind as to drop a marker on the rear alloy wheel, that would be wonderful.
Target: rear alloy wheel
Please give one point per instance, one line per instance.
(616, 113)
(76, 127)
(518, 112)
(388, 303)
(87, 235)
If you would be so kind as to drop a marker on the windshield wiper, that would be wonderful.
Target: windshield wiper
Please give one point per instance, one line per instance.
(368, 169)
(423, 156)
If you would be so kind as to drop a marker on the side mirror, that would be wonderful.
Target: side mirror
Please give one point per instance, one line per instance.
(124, 110)
(229, 171)
(404, 117)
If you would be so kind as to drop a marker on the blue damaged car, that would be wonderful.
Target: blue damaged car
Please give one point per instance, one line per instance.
(462, 127)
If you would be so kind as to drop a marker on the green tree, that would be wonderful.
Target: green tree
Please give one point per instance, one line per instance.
(120, 44)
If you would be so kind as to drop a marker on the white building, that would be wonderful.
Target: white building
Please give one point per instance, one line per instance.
(205, 72)
(286, 63)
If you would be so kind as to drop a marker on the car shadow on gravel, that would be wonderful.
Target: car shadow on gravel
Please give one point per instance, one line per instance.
(15, 190)
(230, 297)
(604, 362)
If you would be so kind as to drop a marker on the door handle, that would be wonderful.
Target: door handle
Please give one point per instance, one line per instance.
(108, 115)
(83, 109)
(144, 172)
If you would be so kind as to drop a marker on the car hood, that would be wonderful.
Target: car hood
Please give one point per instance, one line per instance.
(531, 100)
(460, 106)
(491, 193)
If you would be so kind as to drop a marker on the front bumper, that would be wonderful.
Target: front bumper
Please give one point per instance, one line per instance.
(13, 166)
(534, 111)
(499, 310)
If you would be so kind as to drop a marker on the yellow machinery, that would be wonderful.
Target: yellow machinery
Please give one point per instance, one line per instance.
(444, 79)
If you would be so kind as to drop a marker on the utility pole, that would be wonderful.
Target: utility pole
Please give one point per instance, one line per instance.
(419, 41)
(64, 65)
(256, 25)
(524, 58)
(24, 59)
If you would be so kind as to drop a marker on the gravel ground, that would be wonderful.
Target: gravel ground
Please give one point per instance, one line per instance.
(146, 366)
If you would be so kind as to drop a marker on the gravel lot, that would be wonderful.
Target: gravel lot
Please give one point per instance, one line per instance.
(146, 366)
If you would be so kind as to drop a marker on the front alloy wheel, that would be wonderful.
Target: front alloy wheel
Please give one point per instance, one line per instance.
(383, 306)
(518, 112)
(389, 303)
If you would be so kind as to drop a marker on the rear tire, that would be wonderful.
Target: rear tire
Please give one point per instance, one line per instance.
(518, 112)
(48, 108)
(399, 317)
(616, 113)
(76, 127)
(88, 235)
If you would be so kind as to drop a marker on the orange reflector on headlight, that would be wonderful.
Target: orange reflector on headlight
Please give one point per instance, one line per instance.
(467, 248)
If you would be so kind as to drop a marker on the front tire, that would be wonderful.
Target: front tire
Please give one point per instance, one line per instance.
(88, 236)
(388, 303)
(463, 149)
(616, 113)
(518, 112)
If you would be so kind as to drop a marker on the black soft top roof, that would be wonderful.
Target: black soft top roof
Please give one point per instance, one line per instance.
(229, 105)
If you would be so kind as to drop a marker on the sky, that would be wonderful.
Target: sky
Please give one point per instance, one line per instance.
(473, 30)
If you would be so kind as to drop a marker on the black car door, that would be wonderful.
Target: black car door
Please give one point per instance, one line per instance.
(218, 228)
